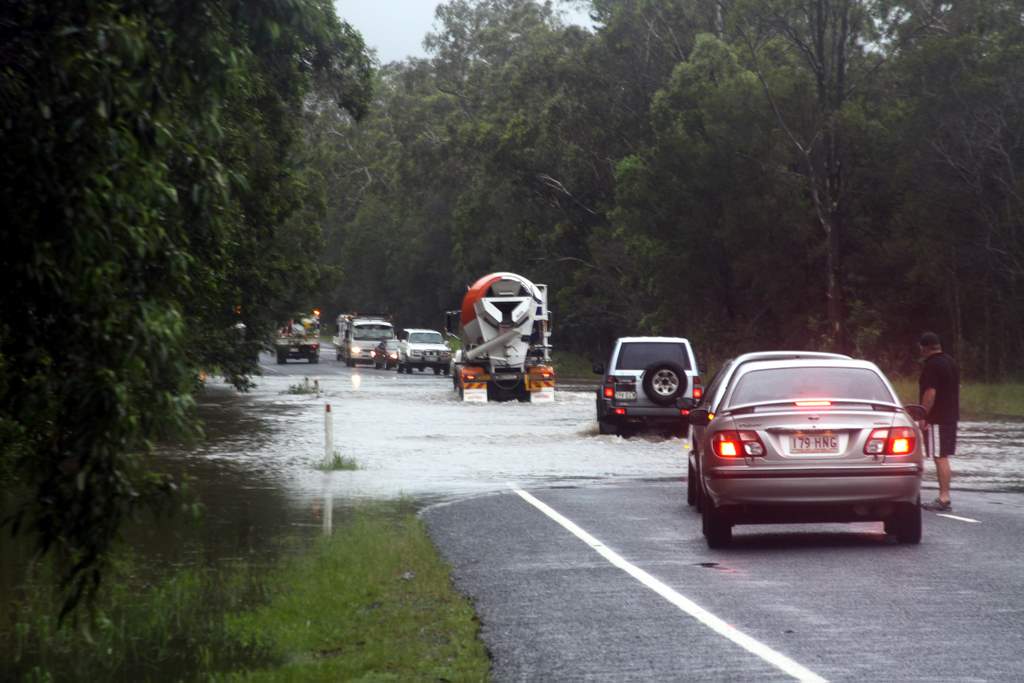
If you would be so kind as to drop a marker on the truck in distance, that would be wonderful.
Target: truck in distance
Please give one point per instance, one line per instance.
(298, 338)
(359, 335)
(504, 327)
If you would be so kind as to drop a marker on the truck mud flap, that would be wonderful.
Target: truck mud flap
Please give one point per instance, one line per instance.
(474, 392)
(543, 395)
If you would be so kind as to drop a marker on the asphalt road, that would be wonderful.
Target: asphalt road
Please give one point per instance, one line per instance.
(838, 602)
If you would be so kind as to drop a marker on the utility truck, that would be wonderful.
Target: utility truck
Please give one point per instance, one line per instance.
(298, 338)
(505, 329)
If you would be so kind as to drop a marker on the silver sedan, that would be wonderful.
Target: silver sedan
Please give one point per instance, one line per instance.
(809, 440)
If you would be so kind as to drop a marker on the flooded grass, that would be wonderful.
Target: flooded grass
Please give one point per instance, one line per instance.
(977, 399)
(570, 365)
(372, 601)
(337, 462)
(305, 387)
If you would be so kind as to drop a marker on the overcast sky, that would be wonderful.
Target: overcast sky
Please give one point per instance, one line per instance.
(395, 28)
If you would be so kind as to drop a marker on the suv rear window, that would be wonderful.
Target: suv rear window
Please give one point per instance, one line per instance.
(808, 383)
(641, 355)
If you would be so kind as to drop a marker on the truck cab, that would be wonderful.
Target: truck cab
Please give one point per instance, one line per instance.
(359, 336)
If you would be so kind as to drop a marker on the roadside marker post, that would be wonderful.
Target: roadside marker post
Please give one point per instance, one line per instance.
(328, 515)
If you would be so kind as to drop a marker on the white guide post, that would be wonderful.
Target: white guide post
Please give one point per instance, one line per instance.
(328, 510)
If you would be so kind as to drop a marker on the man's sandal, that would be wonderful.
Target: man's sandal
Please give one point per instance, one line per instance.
(938, 506)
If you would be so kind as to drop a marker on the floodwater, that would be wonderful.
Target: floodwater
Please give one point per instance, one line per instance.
(410, 435)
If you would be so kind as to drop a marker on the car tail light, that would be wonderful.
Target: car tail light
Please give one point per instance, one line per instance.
(684, 412)
(698, 388)
(813, 404)
(736, 444)
(620, 411)
(895, 441)
(609, 392)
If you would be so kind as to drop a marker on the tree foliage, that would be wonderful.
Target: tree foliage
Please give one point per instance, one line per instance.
(158, 216)
(804, 173)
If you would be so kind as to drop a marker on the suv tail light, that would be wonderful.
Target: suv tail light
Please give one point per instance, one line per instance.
(895, 441)
(698, 388)
(735, 444)
(609, 391)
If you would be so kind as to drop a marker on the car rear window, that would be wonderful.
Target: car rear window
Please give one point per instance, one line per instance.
(779, 384)
(641, 355)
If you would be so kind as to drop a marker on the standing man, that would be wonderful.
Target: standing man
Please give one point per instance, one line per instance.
(939, 387)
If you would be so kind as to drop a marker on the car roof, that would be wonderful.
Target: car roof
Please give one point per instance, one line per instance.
(812, 363)
(628, 340)
(783, 355)
(809, 362)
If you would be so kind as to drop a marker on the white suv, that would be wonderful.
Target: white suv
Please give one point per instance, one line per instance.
(649, 381)
(423, 349)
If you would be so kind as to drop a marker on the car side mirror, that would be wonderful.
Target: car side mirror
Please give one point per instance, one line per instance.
(699, 417)
(915, 411)
(598, 368)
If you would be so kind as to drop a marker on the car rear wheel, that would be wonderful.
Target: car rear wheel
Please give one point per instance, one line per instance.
(905, 523)
(691, 486)
(716, 527)
(606, 427)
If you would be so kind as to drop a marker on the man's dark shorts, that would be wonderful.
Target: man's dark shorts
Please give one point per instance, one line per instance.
(940, 440)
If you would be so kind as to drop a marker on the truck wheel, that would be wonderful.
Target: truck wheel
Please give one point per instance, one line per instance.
(437, 371)
(447, 371)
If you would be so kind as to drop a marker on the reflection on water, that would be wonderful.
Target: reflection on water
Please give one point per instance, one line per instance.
(411, 436)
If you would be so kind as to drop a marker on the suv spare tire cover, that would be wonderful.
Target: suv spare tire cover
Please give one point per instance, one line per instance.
(664, 375)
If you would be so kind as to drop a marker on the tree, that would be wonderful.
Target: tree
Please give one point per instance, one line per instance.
(150, 163)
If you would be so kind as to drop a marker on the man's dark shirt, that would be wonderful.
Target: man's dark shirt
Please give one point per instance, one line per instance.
(940, 373)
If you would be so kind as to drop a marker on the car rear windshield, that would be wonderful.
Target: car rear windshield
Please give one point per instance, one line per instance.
(780, 384)
(425, 338)
(641, 355)
(378, 332)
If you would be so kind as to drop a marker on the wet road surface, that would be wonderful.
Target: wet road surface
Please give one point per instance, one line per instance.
(839, 600)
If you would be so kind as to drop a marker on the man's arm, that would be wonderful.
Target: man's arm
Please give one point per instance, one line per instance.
(928, 399)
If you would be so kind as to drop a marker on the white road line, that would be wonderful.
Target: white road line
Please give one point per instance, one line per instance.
(959, 519)
(716, 624)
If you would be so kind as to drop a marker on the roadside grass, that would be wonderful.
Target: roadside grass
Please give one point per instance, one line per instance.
(569, 365)
(374, 601)
(376, 604)
(337, 462)
(977, 399)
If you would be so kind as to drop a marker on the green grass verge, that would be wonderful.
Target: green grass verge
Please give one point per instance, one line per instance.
(372, 602)
(569, 365)
(977, 400)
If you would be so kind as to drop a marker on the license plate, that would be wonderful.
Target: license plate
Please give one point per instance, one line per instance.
(823, 443)
(625, 395)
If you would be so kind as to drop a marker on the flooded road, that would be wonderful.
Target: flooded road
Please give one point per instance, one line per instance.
(411, 436)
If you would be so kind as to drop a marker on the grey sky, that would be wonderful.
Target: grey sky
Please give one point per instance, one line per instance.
(395, 28)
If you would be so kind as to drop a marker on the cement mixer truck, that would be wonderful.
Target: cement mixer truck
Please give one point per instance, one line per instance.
(504, 326)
